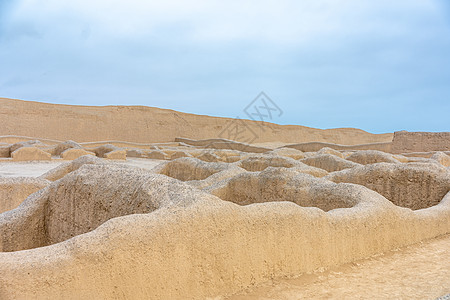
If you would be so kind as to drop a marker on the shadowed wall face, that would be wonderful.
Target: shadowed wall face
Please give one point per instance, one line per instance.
(404, 141)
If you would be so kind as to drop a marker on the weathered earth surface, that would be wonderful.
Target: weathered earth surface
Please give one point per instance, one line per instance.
(209, 222)
(141, 203)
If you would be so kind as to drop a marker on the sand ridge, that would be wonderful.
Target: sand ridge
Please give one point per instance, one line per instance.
(141, 124)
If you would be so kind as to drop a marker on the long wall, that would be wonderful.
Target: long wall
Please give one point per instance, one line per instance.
(405, 141)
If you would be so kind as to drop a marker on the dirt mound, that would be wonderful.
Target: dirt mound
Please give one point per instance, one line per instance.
(30, 154)
(60, 148)
(189, 168)
(138, 153)
(274, 184)
(31, 143)
(329, 162)
(327, 150)
(371, 157)
(157, 154)
(179, 154)
(64, 169)
(288, 152)
(102, 150)
(117, 155)
(259, 163)
(72, 153)
(410, 186)
(209, 156)
(442, 158)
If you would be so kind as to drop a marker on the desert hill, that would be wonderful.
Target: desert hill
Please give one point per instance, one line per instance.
(141, 124)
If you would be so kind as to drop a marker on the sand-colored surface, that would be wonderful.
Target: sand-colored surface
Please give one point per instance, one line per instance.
(417, 272)
(26, 169)
(143, 163)
(141, 124)
(30, 153)
(38, 168)
(166, 208)
(405, 141)
(14, 190)
(316, 146)
(211, 228)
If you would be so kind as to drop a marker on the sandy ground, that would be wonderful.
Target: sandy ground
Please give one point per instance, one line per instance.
(141, 162)
(271, 145)
(26, 169)
(9, 168)
(417, 272)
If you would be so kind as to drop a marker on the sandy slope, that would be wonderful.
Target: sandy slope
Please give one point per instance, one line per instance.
(417, 272)
(147, 124)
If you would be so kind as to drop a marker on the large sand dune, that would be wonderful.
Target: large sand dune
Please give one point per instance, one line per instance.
(142, 124)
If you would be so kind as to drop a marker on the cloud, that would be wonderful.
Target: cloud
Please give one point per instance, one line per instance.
(5, 8)
(352, 62)
(277, 21)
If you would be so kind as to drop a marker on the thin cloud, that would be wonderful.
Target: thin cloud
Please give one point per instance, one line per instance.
(276, 21)
(353, 63)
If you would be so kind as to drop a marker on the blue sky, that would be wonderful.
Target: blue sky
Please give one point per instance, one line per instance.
(381, 66)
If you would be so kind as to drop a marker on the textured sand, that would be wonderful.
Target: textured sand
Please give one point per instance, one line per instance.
(417, 272)
(142, 124)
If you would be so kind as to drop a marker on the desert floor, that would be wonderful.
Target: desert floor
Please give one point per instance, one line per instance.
(421, 271)
(37, 168)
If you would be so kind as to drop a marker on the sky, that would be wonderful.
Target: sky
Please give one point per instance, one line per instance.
(381, 66)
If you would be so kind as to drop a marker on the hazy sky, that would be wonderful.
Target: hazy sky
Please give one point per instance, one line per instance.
(381, 65)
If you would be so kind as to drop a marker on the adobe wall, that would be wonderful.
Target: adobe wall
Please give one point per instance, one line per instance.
(405, 141)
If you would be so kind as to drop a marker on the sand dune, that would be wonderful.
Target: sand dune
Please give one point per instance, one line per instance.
(142, 124)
